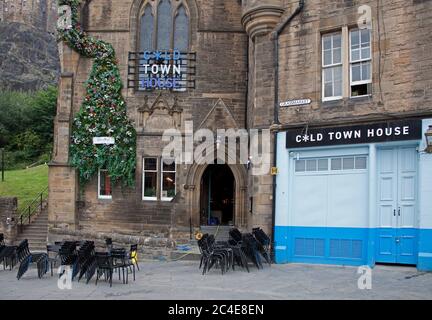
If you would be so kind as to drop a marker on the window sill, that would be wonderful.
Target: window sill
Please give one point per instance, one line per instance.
(149, 199)
(104, 198)
(360, 98)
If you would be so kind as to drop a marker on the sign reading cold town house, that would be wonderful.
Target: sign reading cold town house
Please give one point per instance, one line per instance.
(369, 133)
(161, 70)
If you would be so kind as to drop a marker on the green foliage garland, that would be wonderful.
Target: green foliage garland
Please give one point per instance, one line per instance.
(103, 111)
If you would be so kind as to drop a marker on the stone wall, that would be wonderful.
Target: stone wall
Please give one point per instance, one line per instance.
(8, 218)
(401, 61)
(218, 101)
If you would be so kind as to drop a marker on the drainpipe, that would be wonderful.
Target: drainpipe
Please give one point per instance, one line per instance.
(275, 37)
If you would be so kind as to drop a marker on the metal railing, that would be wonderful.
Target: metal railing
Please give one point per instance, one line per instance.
(32, 207)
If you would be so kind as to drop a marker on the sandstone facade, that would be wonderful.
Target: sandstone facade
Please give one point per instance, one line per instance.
(235, 88)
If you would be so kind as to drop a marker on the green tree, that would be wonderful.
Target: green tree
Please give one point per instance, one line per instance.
(26, 125)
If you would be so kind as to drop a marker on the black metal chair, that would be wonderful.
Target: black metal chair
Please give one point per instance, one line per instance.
(121, 262)
(106, 267)
(68, 256)
(53, 256)
(235, 244)
(26, 258)
(250, 247)
(86, 258)
(264, 243)
(222, 247)
(2, 243)
(210, 257)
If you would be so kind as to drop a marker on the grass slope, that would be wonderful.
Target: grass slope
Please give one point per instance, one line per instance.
(24, 184)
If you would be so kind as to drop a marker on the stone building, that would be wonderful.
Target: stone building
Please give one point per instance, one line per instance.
(337, 64)
(167, 200)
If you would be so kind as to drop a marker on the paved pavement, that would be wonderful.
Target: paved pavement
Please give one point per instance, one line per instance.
(182, 280)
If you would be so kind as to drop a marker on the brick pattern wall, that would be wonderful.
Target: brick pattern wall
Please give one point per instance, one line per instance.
(8, 212)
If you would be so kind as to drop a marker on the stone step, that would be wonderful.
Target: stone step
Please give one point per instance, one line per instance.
(35, 229)
(221, 233)
(32, 236)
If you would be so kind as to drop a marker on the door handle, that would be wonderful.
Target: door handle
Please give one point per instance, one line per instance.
(399, 211)
(394, 212)
(397, 240)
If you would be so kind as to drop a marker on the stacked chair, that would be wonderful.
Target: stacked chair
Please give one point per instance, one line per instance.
(69, 256)
(236, 244)
(264, 242)
(26, 258)
(85, 261)
(239, 249)
(211, 256)
(251, 249)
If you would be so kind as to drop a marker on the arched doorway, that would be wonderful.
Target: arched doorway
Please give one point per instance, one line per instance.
(194, 193)
(217, 198)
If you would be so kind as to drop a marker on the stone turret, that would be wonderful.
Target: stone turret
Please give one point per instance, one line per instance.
(259, 20)
(260, 17)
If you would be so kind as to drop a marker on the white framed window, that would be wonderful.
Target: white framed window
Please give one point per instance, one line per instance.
(168, 179)
(104, 185)
(332, 81)
(360, 63)
(150, 174)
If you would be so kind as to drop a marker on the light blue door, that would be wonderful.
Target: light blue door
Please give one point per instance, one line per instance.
(397, 197)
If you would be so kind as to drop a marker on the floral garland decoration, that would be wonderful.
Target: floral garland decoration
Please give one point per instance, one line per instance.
(103, 110)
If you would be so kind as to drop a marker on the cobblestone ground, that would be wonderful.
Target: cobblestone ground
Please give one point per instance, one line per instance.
(182, 280)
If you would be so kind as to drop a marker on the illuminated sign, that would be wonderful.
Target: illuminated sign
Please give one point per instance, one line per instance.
(161, 70)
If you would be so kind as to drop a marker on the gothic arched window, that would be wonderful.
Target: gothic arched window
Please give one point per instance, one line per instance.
(164, 25)
(181, 30)
(146, 28)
